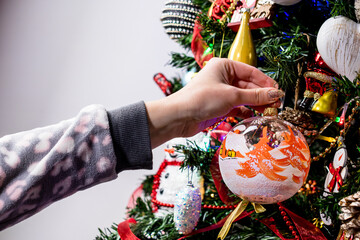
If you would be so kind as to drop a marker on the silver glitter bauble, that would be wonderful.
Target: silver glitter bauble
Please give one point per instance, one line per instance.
(178, 18)
(187, 209)
(357, 9)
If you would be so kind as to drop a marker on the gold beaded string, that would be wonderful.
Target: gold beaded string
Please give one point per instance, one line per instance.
(342, 131)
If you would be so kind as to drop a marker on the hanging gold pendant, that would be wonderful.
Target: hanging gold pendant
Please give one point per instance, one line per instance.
(326, 104)
(243, 49)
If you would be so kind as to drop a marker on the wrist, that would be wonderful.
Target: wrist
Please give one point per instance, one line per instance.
(167, 119)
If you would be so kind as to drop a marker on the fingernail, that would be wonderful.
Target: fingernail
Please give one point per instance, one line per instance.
(275, 94)
(276, 104)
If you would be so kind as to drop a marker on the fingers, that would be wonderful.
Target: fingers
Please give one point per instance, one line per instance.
(257, 96)
(261, 109)
(243, 72)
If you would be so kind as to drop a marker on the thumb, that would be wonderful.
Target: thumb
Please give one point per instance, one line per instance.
(258, 96)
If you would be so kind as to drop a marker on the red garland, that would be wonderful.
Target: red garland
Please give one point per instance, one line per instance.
(219, 224)
(156, 183)
(305, 229)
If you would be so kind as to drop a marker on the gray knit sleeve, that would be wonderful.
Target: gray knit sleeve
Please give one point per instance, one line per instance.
(131, 139)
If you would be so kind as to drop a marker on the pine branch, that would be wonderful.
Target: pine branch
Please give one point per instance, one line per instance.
(108, 234)
(344, 8)
(195, 157)
(347, 89)
(181, 60)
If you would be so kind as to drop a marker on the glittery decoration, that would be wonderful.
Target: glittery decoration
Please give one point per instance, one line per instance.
(187, 209)
(178, 18)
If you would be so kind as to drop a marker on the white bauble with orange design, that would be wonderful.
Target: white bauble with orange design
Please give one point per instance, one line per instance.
(264, 160)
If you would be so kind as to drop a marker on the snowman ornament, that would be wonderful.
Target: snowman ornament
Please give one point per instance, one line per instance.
(337, 173)
(337, 170)
(178, 191)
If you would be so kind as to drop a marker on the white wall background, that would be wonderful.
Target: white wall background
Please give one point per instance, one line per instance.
(57, 57)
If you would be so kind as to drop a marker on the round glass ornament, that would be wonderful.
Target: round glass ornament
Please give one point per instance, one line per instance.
(264, 160)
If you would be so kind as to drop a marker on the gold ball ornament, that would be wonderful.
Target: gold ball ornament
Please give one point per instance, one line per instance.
(264, 160)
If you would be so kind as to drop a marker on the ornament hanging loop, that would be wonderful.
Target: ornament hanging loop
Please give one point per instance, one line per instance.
(190, 177)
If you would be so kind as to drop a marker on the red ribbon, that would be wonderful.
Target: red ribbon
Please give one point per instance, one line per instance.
(271, 224)
(135, 195)
(336, 177)
(217, 225)
(223, 191)
(124, 230)
(198, 46)
(306, 230)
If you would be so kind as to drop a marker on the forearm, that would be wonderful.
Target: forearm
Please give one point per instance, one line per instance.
(41, 166)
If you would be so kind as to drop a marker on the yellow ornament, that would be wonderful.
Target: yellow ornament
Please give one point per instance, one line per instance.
(242, 49)
(326, 104)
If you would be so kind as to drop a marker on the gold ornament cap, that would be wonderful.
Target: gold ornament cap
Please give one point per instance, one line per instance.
(270, 111)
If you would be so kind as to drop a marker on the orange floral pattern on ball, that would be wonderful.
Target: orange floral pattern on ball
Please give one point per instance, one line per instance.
(261, 159)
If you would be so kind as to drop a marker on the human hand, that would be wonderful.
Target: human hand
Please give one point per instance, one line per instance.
(222, 88)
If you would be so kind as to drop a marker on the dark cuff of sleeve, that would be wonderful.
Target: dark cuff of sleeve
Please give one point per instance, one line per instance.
(131, 138)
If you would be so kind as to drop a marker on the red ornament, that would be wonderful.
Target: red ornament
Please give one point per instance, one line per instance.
(318, 66)
(219, 8)
(163, 83)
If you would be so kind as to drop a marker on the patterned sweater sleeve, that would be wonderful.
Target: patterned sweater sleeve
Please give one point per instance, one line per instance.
(41, 166)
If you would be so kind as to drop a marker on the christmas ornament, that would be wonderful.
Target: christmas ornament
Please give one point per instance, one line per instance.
(187, 209)
(178, 18)
(286, 2)
(357, 9)
(343, 131)
(338, 42)
(242, 49)
(326, 104)
(350, 216)
(169, 179)
(219, 9)
(163, 83)
(300, 119)
(337, 170)
(261, 13)
(264, 160)
(317, 76)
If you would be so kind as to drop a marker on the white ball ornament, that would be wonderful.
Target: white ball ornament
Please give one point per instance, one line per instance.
(264, 160)
(286, 2)
(338, 42)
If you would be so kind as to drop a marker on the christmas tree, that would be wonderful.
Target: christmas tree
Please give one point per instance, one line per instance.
(311, 48)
